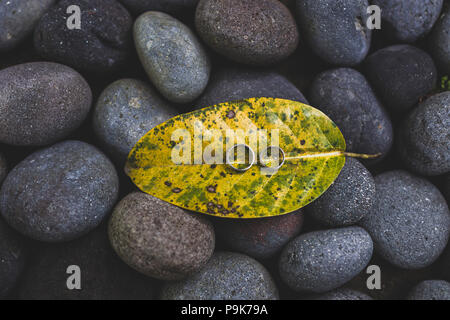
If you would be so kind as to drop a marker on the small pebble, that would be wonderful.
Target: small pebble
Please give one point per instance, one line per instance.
(126, 110)
(321, 261)
(408, 20)
(440, 41)
(254, 32)
(102, 44)
(41, 103)
(3, 168)
(344, 295)
(59, 193)
(409, 222)
(158, 239)
(168, 6)
(347, 98)
(431, 290)
(348, 199)
(336, 29)
(227, 276)
(423, 139)
(174, 59)
(401, 75)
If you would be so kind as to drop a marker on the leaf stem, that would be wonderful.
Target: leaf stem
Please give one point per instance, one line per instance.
(362, 156)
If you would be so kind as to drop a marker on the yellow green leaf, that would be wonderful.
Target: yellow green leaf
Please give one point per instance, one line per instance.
(314, 150)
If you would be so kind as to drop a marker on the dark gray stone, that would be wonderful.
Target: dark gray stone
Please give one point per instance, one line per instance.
(227, 276)
(344, 295)
(409, 222)
(431, 290)
(348, 199)
(336, 29)
(408, 20)
(174, 59)
(325, 260)
(126, 110)
(237, 84)
(59, 193)
(102, 44)
(347, 98)
(440, 41)
(158, 239)
(423, 140)
(401, 75)
(254, 32)
(18, 19)
(169, 6)
(3, 168)
(41, 103)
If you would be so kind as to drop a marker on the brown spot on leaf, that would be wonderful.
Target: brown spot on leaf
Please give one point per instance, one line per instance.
(231, 114)
(211, 189)
(167, 183)
(176, 190)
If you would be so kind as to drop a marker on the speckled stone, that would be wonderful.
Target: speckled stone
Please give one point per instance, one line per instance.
(347, 98)
(103, 275)
(409, 222)
(102, 44)
(59, 193)
(227, 276)
(41, 103)
(336, 29)
(348, 199)
(423, 140)
(12, 259)
(401, 75)
(126, 110)
(158, 239)
(17, 20)
(254, 32)
(431, 290)
(173, 58)
(169, 6)
(408, 20)
(259, 238)
(321, 261)
(3, 168)
(230, 84)
(344, 294)
(440, 41)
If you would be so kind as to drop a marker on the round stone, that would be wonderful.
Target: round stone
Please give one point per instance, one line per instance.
(41, 103)
(3, 168)
(423, 139)
(102, 44)
(158, 239)
(409, 222)
(254, 32)
(59, 193)
(440, 41)
(431, 290)
(168, 6)
(126, 110)
(344, 294)
(227, 276)
(173, 58)
(321, 261)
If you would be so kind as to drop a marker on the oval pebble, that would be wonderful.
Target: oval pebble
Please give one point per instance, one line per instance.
(227, 276)
(158, 239)
(401, 75)
(3, 168)
(344, 294)
(321, 261)
(431, 290)
(336, 29)
(102, 44)
(41, 103)
(347, 98)
(440, 41)
(423, 140)
(168, 6)
(59, 193)
(254, 32)
(173, 58)
(409, 222)
(126, 110)
(349, 198)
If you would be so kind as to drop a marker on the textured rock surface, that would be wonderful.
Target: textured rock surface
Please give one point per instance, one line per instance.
(431, 290)
(126, 110)
(344, 294)
(255, 32)
(227, 276)
(59, 193)
(102, 44)
(335, 29)
(440, 41)
(321, 261)
(410, 220)
(169, 6)
(3, 168)
(174, 59)
(159, 239)
(41, 103)
(423, 140)
(348, 199)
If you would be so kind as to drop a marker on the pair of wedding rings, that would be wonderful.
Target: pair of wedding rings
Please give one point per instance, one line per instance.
(231, 153)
